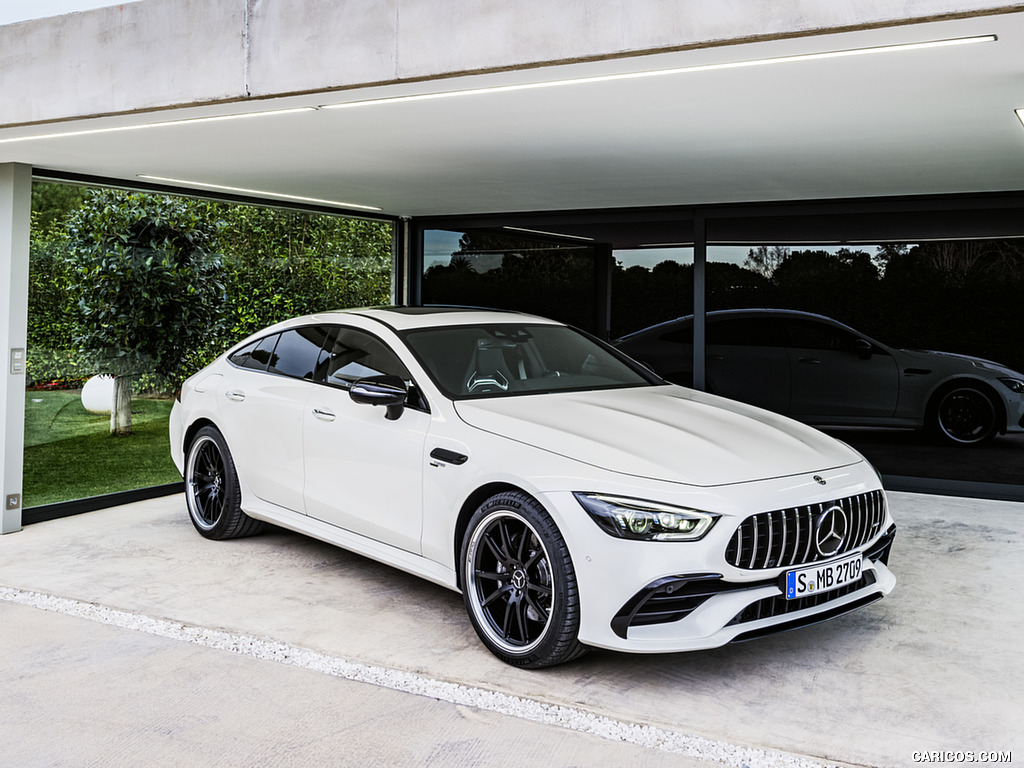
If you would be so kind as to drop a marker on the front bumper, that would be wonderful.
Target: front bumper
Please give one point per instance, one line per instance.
(1014, 405)
(663, 597)
(176, 432)
(765, 610)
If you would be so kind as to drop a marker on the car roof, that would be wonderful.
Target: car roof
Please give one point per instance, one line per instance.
(408, 318)
(725, 314)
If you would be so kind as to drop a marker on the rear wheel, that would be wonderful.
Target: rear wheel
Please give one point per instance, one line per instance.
(519, 585)
(211, 489)
(965, 415)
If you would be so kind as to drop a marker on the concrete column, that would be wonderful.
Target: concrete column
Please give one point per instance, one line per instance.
(15, 223)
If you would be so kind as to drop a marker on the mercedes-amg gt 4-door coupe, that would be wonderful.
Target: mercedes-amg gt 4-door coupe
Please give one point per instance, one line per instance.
(572, 496)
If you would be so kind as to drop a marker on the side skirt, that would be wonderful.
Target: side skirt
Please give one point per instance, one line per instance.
(401, 559)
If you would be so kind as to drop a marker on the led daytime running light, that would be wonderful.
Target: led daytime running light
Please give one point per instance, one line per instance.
(646, 520)
(1014, 385)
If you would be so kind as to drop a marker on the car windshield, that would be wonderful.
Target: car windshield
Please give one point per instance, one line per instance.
(515, 359)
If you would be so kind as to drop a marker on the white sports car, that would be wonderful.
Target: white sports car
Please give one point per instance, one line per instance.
(573, 497)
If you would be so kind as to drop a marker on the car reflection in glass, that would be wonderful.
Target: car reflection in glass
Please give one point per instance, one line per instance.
(822, 372)
(575, 498)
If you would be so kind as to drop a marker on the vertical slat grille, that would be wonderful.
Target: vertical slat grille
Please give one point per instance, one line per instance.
(786, 537)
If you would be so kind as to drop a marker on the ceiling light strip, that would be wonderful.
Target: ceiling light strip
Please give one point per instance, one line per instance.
(549, 234)
(663, 72)
(259, 193)
(168, 123)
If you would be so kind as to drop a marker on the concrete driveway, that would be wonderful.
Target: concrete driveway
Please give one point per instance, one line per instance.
(127, 639)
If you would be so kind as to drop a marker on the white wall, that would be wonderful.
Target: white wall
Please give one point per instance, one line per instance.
(15, 206)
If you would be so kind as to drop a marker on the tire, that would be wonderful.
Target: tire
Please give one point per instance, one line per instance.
(519, 584)
(211, 489)
(965, 415)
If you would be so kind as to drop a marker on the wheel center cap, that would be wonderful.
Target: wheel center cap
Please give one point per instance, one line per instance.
(519, 579)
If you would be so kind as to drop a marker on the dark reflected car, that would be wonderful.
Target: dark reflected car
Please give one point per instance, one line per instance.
(819, 371)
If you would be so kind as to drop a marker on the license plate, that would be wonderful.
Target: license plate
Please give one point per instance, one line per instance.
(805, 582)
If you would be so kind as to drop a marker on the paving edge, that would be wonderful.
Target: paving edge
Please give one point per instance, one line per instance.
(570, 718)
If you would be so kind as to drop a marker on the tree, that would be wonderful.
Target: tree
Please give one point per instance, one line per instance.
(507, 272)
(51, 319)
(150, 285)
(765, 259)
(282, 263)
(52, 203)
(842, 285)
(887, 252)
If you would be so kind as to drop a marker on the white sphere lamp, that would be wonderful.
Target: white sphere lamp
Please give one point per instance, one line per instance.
(98, 394)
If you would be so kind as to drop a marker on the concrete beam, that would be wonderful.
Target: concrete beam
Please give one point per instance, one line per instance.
(15, 225)
(128, 58)
(174, 53)
(298, 45)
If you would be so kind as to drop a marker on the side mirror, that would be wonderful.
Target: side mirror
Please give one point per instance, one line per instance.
(389, 391)
(863, 349)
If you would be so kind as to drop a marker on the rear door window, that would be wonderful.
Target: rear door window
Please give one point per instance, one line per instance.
(296, 352)
(257, 354)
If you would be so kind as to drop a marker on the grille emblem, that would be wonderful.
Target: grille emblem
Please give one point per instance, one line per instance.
(831, 531)
(820, 480)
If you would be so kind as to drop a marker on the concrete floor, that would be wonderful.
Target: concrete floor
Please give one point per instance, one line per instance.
(127, 639)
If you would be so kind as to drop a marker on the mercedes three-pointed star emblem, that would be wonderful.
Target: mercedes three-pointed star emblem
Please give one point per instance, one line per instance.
(831, 531)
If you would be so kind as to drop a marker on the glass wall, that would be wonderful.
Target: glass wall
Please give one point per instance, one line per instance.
(649, 286)
(911, 352)
(132, 292)
(907, 346)
(506, 269)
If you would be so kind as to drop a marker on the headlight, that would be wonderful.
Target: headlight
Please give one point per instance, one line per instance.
(1015, 385)
(646, 520)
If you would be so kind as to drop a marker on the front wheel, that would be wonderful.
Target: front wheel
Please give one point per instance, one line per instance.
(519, 585)
(211, 489)
(965, 415)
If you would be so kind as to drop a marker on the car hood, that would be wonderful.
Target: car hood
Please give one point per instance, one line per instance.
(665, 433)
(959, 362)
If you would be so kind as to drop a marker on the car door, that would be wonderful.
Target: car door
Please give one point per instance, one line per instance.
(261, 402)
(746, 361)
(364, 472)
(837, 376)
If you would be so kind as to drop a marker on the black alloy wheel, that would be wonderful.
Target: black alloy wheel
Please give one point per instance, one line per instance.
(211, 489)
(519, 584)
(966, 416)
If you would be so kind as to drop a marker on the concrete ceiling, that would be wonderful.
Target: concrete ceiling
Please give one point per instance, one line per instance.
(900, 122)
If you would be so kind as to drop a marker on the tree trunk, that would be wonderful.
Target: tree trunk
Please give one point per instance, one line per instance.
(121, 410)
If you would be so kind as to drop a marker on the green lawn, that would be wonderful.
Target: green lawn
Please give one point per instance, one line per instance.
(69, 453)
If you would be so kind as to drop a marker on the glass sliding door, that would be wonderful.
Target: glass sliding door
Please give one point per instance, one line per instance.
(908, 351)
(135, 291)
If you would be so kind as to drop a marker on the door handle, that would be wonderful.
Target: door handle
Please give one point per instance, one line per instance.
(235, 394)
(449, 457)
(809, 360)
(324, 415)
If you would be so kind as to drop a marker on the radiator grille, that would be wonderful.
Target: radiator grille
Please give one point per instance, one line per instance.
(786, 537)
